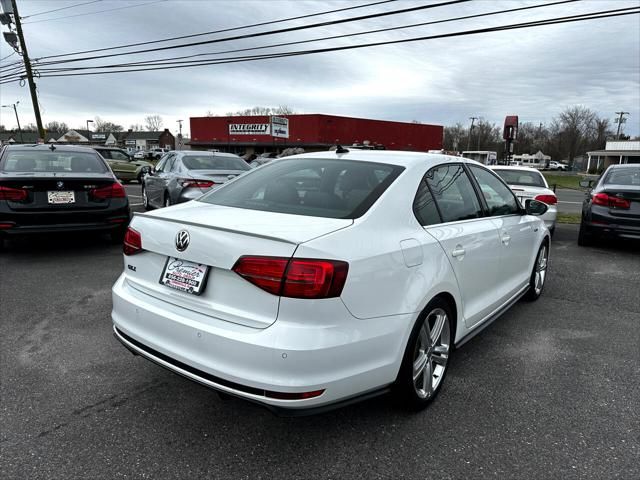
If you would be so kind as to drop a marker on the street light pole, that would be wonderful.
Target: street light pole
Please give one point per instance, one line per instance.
(15, 110)
(88, 122)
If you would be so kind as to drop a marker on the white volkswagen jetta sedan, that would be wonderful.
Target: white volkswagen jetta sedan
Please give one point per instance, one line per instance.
(325, 278)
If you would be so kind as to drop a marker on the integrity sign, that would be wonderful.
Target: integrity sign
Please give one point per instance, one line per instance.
(249, 129)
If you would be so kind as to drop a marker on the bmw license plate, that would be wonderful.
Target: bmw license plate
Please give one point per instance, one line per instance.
(59, 197)
(185, 276)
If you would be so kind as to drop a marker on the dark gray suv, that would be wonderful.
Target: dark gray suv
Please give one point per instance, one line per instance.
(186, 175)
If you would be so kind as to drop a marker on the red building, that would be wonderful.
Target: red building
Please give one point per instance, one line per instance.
(312, 132)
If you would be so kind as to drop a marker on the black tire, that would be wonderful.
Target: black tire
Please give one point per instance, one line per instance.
(410, 389)
(585, 237)
(145, 200)
(538, 277)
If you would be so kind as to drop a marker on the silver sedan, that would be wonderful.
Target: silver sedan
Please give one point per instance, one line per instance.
(186, 175)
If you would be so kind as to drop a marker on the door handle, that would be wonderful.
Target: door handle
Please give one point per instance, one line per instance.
(506, 239)
(458, 252)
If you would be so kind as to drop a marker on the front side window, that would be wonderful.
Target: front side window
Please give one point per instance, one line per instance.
(330, 188)
(453, 192)
(117, 155)
(500, 199)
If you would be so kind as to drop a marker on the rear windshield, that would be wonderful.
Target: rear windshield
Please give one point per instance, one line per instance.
(315, 187)
(623, 176)
(521, 177)
(211, 162)
(47, 161)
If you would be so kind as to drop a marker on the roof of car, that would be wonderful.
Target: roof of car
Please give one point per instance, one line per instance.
(514, 167)
(56, 147)
(394, 157)
(206, 152)
(624, 165)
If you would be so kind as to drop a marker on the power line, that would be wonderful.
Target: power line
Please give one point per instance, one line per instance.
(95, 13)
(4, 58)
(538, 23)
(261, 24)
(58, 9)
(168, 61)
(274, 32)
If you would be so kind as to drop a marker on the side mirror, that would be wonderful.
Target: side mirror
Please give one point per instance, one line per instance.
(586, 183)
(535, 207)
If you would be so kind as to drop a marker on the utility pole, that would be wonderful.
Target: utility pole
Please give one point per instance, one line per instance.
(473, 119)
(27, 66)
(15, 110)
(180, 134)
(620, 120)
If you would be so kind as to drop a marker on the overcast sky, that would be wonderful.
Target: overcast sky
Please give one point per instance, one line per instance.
(533, 73)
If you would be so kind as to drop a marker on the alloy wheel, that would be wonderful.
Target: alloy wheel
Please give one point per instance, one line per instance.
(541, 269)
(431, 353)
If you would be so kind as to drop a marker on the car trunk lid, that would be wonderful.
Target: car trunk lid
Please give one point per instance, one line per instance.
(218, 237)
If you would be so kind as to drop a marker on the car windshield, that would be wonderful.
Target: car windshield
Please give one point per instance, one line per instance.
(316, 187)
(623, 176)
(53, 161)
(522, 177)
(214, 162)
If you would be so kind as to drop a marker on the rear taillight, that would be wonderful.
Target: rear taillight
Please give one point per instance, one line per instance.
(132, 242)
(191, 183)
(296, 278)
(114, 190)
(610, 201)
(548, 199)
(13, 194)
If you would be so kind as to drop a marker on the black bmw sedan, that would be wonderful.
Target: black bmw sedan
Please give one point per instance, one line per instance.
(51, 188)
(612, 206)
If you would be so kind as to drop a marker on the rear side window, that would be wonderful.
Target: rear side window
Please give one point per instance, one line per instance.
(316, 187)
(53, 161)
(424, 206)
(453, 192)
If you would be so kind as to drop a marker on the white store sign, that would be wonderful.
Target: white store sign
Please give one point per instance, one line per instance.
(280, 127)
(249, 129)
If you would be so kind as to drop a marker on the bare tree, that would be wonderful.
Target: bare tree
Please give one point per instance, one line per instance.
(104, 126)
(575, 125)
(56, 127)
(136, 127)
(256, 111)
(153, 123)
(454, 137)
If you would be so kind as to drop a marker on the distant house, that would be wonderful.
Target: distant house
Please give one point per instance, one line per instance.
(11, 138)
(147, 140)
(614, 152)
(89, 138)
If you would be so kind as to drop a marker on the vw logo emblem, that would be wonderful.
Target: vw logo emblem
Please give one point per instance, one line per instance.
(182, 240)
(60, 185)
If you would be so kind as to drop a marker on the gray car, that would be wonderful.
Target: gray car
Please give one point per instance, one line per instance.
(183, 176)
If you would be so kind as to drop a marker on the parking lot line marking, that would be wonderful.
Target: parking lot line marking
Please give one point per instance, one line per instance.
(136, 196)
(135, 204)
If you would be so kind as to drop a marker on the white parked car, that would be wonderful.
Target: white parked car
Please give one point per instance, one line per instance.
(140, 154)
(528, 183)
(325, 278)
(553, 165)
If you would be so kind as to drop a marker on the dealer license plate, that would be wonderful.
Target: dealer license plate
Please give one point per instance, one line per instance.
(57, 197)
(184, 276)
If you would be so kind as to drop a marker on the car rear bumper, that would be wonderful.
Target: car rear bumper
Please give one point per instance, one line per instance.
(345, 357)
(605, 224)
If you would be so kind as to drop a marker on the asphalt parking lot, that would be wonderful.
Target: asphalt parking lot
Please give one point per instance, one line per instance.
(550, 390)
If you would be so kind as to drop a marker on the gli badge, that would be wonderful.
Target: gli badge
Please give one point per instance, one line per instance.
(182, 240)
